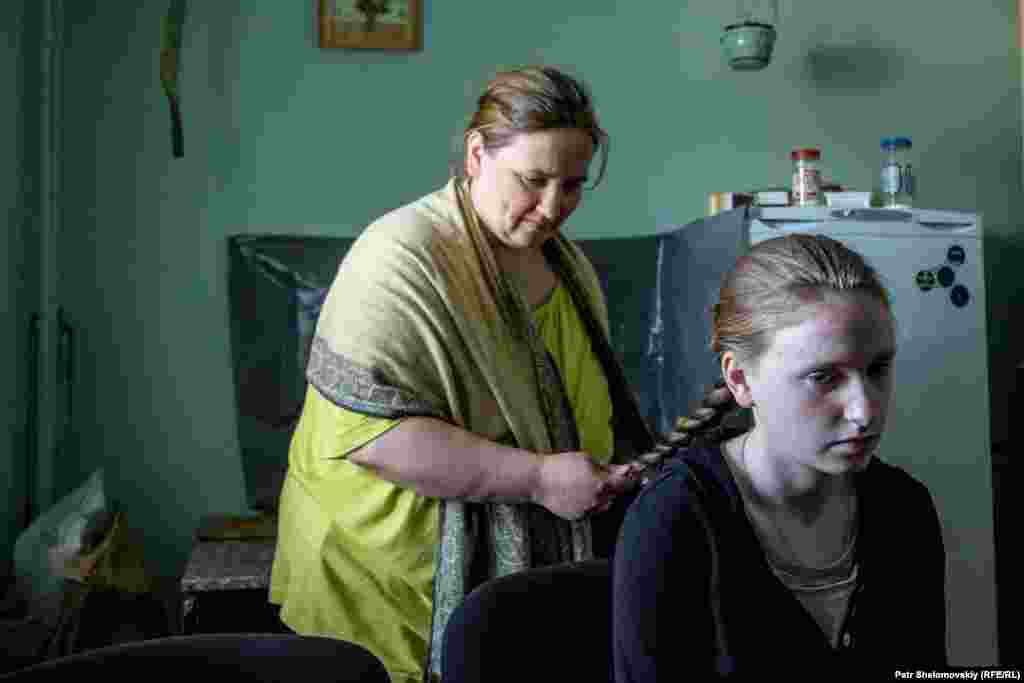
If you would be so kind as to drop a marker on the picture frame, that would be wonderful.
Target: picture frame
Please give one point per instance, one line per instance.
(371, 24)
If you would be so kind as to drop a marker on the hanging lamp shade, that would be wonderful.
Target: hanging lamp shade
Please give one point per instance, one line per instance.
(749, 40)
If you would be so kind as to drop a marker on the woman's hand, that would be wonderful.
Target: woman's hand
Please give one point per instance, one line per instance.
(572, 486)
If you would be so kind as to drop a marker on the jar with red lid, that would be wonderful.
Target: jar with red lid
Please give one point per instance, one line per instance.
(806, 177)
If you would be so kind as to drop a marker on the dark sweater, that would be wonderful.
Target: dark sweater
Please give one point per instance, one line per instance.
(664, 628)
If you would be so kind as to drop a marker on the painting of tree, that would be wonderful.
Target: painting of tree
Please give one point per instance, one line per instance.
(388, 24)
(370, 9)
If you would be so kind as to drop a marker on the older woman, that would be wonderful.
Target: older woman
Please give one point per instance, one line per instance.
(465, 414)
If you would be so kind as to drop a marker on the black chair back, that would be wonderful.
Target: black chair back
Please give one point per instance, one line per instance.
(250, 657)
(551, 623)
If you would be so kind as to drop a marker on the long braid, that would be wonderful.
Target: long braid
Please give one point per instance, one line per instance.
(717, 418)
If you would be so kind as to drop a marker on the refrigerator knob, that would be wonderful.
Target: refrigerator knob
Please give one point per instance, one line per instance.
(960, 296)
(946, 276)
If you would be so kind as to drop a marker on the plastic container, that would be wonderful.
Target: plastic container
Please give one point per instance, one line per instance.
(806, 177)
(896, 183)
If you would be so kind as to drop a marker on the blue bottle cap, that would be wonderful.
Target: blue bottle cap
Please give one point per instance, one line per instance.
(896, 143)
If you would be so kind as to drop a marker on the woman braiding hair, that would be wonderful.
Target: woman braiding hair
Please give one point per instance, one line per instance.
(465, 416)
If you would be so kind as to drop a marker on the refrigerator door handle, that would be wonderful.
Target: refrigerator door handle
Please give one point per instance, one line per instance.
(858, 215)
(872, 215)
(945, 227)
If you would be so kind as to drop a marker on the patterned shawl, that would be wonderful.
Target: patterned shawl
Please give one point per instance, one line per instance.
(421, 321)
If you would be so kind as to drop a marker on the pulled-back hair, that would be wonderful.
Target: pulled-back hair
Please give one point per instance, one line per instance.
(767, 290)
(532, 99)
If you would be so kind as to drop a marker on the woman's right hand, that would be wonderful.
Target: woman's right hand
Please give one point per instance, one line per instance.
(571, 485)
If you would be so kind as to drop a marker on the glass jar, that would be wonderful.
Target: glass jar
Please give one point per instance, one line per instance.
(896, 185)
(806, 177)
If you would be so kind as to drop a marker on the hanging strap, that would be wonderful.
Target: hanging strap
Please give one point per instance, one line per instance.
(170, 47)
(623, 399)
(723, 662)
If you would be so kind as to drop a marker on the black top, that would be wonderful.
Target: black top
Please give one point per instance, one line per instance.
(664, 608)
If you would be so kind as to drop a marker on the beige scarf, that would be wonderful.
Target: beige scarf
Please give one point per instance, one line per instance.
(422, 321)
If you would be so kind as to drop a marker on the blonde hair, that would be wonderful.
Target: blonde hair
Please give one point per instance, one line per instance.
(769, 289)
(531, 99)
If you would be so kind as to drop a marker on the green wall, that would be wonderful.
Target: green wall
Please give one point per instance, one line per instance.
(12, 309)
(10, 43)
(281, 136)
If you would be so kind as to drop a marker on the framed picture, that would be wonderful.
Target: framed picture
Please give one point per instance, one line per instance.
(376, 24)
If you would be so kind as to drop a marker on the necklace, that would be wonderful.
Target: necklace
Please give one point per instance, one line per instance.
(784, 548)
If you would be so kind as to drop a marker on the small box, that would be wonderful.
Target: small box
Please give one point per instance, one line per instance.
(725, 201)
(848, 200)
(772, 198)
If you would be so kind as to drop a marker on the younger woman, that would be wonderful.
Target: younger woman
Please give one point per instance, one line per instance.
(788, 547)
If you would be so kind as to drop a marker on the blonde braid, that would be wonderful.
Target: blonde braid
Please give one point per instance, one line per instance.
(718, 418)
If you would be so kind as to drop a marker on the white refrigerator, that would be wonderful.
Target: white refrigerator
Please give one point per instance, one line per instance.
(938, 428)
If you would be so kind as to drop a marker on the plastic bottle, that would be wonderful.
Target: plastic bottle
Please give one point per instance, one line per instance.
(896, 185)
(806, 177)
